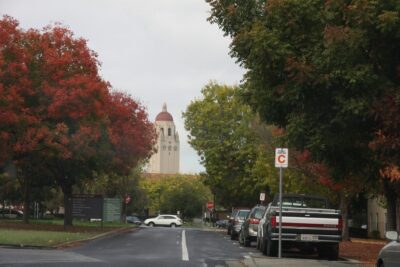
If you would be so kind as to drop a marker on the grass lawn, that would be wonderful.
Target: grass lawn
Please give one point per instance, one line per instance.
(51, 232)
(39, 238)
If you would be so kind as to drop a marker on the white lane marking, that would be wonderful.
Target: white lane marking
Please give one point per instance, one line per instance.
(185, 254)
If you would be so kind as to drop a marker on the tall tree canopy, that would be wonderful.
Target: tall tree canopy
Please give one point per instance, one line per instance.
(219, 127)
(56, 109)
(237, 150)
(317, 68)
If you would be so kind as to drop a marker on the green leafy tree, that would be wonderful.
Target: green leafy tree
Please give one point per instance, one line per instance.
(316, 68)
(220, 132)
(172, 193)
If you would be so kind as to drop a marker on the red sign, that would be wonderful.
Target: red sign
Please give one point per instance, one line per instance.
(210, 205)
(127, 199)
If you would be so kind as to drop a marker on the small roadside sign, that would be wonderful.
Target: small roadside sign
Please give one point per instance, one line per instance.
(281, 157)
(210, 205)
(262, 196)
(127, 199)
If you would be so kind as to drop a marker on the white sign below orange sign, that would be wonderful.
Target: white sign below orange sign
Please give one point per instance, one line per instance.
(281, 157)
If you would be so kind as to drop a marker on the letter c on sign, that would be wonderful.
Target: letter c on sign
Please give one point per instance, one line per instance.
(281, 159)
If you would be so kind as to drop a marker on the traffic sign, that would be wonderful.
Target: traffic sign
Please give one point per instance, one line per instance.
(210, 205)
(262, 196)
(127, 199)
(281, 157)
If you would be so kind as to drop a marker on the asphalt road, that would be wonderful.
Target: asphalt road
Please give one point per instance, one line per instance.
(150, 247)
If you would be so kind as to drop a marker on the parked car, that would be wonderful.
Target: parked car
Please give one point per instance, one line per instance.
(307, 224)
(237, 223)
(222, 223)
(11, 214)
(249, 229)
(389, 256)
(231, 218)
(134, 220)
(164, 220)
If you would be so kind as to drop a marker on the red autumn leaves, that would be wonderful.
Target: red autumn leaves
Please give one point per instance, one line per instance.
(54, 104)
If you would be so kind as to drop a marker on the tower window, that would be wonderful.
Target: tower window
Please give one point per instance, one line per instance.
(162, 131)
(169, 131)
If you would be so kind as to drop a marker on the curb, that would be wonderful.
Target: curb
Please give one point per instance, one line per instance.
(77, 243)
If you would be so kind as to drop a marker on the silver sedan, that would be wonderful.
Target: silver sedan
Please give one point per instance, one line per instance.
(389, 256)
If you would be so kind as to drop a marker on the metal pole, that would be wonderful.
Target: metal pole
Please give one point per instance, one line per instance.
(280, 212)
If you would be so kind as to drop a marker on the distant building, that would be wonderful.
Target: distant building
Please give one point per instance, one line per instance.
(377, 217)
(166, 159)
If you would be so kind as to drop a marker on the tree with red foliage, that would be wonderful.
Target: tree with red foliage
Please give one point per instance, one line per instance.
(60, 112)
(386, 146)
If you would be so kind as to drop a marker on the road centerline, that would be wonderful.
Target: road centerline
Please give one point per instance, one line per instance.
(185, 254)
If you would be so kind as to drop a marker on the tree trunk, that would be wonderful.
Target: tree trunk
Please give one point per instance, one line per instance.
(344, 207)
(27, 200)
(67, 190)
(391, 200)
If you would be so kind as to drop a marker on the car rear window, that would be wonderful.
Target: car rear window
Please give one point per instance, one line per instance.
(258, 213)
(243, 213)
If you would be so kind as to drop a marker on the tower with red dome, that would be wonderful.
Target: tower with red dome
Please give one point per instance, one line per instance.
(166, 159)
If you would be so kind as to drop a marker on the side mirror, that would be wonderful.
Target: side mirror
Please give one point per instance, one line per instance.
(392, 235)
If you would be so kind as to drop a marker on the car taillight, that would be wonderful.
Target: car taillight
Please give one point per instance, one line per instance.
(254, 221)
(340, 224)
(273, 221)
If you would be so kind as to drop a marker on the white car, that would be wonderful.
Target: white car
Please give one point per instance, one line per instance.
(164, 220)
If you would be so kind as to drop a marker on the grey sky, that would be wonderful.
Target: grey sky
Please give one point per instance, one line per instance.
(157, 51)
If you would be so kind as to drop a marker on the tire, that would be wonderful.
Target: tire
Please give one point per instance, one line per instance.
(229, 231)
(240, 238)
(271, 248)
(262, 246)
(333, 252)
(173, 225)
(329, 251)
(380, 263)
(233, 235)
(247, 242)
(151, 224)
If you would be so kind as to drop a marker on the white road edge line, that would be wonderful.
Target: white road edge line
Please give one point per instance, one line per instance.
(185, 254)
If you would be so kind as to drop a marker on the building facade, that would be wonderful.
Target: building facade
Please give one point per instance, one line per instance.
(166, 159)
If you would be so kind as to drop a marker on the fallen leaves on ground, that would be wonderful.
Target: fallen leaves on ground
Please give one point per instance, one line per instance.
(364, 250)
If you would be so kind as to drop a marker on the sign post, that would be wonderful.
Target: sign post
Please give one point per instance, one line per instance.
(281, 161)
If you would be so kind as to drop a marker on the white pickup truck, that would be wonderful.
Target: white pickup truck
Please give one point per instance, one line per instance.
(307, 224)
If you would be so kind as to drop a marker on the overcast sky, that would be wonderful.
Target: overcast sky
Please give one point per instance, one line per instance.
(156, 50)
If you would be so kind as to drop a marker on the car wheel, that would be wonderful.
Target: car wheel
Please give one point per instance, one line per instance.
(173, 225)
(329, 251)
(272, 248)
(246, 242)
(240, 238)
(233, 236)
(380, 263)
(262, 246)
(151, 224)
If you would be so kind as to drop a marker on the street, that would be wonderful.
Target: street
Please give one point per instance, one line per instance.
(157, 247)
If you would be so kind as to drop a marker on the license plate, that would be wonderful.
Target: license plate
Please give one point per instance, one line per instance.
(308, 237)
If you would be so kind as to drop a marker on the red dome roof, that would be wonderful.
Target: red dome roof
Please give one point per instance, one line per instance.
(164, 115)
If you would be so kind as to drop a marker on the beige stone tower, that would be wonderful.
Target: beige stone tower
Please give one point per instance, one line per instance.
(166, 160)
